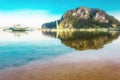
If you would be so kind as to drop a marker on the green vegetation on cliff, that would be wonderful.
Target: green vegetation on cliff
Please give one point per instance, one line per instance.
(83, 17)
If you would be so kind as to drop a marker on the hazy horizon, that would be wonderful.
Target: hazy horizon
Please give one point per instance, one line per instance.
(34, 13)
(30, 18)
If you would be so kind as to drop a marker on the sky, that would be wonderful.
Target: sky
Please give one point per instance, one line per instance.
(36, 12)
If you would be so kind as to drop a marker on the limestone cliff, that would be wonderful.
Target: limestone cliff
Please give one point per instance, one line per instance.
(83, 17)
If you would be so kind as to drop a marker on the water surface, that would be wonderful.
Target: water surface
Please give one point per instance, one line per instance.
(20, 48)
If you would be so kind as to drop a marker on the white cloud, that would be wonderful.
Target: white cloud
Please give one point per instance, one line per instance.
(31, 18)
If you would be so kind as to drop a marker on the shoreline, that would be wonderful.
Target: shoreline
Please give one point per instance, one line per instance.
(69, 71)
(65, 68)
(89, 30)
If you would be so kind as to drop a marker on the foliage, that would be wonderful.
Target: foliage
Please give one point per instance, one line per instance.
(77, 18)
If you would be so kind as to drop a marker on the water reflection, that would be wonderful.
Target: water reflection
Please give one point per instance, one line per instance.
(84, 40)
(28, 47)
(18, 36)
(19, 33)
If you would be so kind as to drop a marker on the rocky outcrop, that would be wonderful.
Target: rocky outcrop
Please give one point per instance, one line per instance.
(83, 17)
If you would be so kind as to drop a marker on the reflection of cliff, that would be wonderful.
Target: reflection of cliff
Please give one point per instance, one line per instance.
(51, 34)
(86, 40)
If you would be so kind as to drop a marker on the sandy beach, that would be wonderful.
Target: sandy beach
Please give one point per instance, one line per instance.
(59, 40)
(65, 69)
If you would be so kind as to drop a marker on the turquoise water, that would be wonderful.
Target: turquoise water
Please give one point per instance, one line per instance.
(17, 49)
(18, 52)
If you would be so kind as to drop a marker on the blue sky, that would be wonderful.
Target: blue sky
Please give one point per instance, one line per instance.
(20, 11)
(59, 6)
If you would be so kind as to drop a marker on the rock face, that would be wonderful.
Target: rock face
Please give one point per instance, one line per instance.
(83, 17)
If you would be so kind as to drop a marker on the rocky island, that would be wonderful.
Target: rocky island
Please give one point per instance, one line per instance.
(84, 18)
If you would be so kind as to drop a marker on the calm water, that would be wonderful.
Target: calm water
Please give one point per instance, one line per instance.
(17, 49)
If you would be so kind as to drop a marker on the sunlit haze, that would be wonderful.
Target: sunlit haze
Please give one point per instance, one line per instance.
(33, 13)
(29, 18)
(32, 18)
(116, 14)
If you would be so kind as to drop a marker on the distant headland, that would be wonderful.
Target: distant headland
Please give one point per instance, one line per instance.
(84, 18)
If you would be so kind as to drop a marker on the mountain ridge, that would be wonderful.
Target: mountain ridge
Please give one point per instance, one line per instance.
(83, 17)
